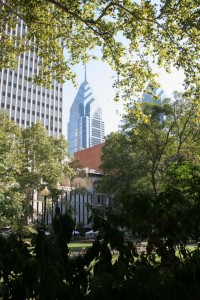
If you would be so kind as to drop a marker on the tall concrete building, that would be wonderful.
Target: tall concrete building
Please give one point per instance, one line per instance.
(85, 126)
(27, 103)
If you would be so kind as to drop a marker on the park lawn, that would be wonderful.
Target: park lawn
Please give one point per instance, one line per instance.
(79, 245)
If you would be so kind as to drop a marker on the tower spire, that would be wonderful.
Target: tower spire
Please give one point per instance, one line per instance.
(85, 73)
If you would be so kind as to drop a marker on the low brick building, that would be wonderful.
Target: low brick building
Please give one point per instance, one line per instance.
(90, 158)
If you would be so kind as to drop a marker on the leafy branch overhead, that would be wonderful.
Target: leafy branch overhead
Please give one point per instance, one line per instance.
(132, 36)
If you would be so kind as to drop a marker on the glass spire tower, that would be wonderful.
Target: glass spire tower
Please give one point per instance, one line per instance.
(85, 126)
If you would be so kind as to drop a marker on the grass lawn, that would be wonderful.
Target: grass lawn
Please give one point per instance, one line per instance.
(79, 245)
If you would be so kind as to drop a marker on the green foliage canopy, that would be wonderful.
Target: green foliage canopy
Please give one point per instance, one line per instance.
(157, 143)
(132, 37)
(29, 160)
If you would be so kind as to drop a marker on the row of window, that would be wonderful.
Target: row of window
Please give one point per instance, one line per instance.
(25, 77)
(33, 102)
(28, 112)
(29, 90)
(32, 123)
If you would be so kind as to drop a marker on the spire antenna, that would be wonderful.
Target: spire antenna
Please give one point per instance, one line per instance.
(85, 73)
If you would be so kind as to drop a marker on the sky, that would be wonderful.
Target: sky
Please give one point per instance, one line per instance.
(100, 78)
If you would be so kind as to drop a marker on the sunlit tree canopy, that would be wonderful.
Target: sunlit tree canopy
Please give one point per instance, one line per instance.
(132, 36)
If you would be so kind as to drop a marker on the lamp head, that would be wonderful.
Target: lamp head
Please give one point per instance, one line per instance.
(45, 192)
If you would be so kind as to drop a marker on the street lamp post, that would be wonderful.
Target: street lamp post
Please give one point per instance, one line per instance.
(45, 193)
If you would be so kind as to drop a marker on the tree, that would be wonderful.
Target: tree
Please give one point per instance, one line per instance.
(29, 160)
(11, 160)
(45, 163)
(151, 142)
(157, 149)
(131, 35)
(47, 271)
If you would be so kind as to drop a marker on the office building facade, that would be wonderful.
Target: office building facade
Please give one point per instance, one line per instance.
(25, 102)
(85, 126)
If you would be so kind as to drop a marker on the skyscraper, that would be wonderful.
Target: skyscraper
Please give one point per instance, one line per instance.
(85, 126)
(157, 92)
(27, 103)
